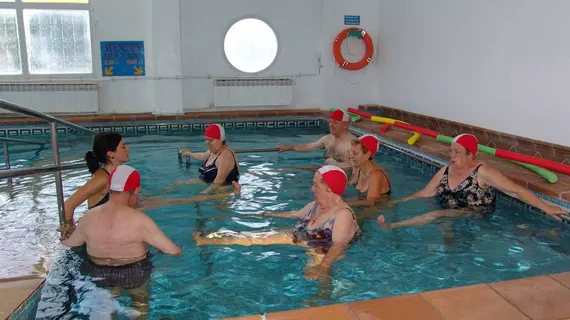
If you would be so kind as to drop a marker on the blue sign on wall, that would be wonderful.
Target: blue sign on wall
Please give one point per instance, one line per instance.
(122, 58)
(352, 20)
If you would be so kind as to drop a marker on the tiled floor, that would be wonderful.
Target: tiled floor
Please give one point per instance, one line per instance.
(15, 291)
(537, 298)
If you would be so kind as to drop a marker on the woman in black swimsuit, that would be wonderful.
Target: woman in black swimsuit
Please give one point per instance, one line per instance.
(467, 187)
(109, 151)
(220, 166)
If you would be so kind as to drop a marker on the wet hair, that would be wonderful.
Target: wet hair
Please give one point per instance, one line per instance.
(357, 142)
(103, 143)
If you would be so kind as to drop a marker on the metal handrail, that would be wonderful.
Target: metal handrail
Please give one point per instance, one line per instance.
(30, 171)
(22, 141)
(53, 122)
(7, 153)
(6, 105)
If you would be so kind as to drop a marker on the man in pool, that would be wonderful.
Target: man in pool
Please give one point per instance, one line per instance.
(467, 187)
(337, 144)
(117, 238)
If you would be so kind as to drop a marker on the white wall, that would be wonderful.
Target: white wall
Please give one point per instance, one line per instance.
(156, 22)
(497, 64)
(342, 87)
(305, 31)
(184, 48)
(184, 44)
(204, 24)
(127, 20)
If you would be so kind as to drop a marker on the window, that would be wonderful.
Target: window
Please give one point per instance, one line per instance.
(250, 45)
(56, 37)
(10, 62)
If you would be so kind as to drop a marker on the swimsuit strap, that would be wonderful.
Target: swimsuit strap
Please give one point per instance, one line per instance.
(219, 154)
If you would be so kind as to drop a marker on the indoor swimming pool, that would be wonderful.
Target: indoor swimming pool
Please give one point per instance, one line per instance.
(211, 282)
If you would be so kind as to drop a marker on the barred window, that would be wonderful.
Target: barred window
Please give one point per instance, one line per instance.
(56, 37)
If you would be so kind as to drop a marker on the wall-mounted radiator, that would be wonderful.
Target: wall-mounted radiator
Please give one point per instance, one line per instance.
(253, 92)
(53, 97)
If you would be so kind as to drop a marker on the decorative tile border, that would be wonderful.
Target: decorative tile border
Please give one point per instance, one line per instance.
(146, 127)
(491, 138)
(27, 310)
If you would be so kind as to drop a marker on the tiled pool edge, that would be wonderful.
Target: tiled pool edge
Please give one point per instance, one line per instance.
(168, 126)
(27, 310)
(440, 304)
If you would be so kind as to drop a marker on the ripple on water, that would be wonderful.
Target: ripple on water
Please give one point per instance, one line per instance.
(225, 281)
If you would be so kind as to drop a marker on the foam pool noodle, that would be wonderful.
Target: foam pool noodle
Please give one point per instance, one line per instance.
(544, 173)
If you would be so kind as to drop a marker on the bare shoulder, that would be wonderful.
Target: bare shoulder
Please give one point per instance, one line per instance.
(99, 179)
(100, 175)
(136, 213)
(345, 211)
(376, 167)
(328, 138)
(485, 168)
(488, 174)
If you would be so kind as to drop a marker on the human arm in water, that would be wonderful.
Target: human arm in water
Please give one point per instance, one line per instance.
(225, 163)
(96, 184)
(493, 177)
(343, 231)
(153, 203)
(297, 214)
(203, 156)
(76, 238)
(306, 147)
(430, 190)
(425, 218)
(156, 238)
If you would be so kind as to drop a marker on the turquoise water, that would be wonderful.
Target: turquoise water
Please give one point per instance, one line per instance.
(224, 281)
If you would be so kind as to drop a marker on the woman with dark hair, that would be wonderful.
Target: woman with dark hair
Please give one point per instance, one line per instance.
(109, 152)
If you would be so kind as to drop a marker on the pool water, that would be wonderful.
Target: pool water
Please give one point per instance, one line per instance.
(225, 281)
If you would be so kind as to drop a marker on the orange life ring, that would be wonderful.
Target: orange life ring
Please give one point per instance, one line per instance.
(360, 33)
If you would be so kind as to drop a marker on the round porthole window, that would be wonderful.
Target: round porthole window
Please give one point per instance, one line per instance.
(250, 45)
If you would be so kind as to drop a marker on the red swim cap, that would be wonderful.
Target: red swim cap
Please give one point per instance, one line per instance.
(339, 115)
(124, 178)
(467, 141)
(215, 131)
(335, 178)
(371, 143)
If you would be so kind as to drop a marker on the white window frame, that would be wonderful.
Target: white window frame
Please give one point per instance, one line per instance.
(19, 5)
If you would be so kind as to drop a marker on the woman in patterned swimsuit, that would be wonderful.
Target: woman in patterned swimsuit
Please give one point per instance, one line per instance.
(467, 187)
(326, 226)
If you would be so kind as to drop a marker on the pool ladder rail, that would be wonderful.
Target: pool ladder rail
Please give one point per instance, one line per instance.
(56, 166)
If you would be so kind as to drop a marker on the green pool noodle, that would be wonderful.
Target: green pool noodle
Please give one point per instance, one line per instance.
(353, 117)
(544, 173)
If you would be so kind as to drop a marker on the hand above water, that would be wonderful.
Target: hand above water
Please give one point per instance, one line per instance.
(66, 230)
(555, 212)
(283, 147)
(185, 152)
